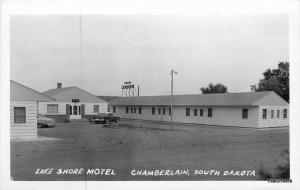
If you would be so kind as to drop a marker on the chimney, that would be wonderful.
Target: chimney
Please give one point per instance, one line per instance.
(59, 85)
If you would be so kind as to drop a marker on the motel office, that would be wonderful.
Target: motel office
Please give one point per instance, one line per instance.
(71, 103)
(250, 109)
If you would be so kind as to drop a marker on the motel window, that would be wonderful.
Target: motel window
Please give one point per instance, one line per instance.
(201, 112)
(134, 109)
(264, 116)
(164, 111)
(245, 113)
(140, 110)
(158, 111)
(170, 111)
(278, 113)
(52, 108)
(272, 113)
(19, 115)
(209, 112)
(108, 109)
(79, 110)
(187, 111)
(285, 113)
(131, 110)
(96, 108)
(70, 110)
(195, 112)
(114, 109)
(126, 109)
(153, 110)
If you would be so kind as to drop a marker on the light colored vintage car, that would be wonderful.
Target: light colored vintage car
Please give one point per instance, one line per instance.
(43, 121)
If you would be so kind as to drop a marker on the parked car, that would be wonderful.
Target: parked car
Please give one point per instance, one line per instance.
(43, 121)
(105, 114)
(101, 118)
(97, 119)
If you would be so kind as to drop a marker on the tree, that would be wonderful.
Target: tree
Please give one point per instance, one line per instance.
(218, 88)
(276, 80)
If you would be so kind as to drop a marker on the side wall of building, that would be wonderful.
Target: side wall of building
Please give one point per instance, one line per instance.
(61, 116)
(27, 129)
(89, 108)
(225, 116)
(274, 121)
(42, 108)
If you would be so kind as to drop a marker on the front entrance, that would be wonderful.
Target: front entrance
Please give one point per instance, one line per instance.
(75, 112)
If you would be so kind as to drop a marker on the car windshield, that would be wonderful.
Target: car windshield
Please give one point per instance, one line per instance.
(41, 116)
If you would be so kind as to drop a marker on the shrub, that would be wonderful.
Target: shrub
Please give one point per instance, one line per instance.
(282, 170)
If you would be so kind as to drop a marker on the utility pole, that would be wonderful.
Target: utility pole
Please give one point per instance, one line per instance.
(172, 74)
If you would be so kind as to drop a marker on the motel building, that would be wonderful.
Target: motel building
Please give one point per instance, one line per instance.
(71, 103)
(23, 110)
(249, 109)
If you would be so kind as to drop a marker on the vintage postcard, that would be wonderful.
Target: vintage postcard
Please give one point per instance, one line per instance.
(193, 96)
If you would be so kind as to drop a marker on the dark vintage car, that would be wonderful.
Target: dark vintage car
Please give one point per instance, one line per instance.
(43, 121)
(104, 118)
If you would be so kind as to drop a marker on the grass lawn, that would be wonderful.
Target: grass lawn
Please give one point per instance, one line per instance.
(137, 145)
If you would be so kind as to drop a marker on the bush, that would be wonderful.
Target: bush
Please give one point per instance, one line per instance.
(282, 171)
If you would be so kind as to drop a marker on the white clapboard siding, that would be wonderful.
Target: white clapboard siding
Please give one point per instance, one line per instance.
(89, 108)
(226, 116)
(273, 122)
(42, 108)
(28, 129)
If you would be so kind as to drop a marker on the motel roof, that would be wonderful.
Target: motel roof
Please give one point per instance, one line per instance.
(66, 94)
(19, 92)
(53, 92)
(220, 99)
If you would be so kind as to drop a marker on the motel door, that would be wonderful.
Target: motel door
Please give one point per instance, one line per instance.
(75, 112)
(159, 113)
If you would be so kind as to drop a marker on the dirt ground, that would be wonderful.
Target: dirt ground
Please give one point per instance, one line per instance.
(137, 145)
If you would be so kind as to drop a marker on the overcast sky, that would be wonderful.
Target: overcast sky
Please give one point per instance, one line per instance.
(231, 49)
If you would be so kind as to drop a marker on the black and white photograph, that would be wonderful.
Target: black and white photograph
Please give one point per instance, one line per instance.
(149, 97)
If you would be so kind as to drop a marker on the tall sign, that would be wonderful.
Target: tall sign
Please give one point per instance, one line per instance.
(128, 89)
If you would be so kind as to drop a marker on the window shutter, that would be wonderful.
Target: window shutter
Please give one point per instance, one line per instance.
(67, 109)
(82, 110)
